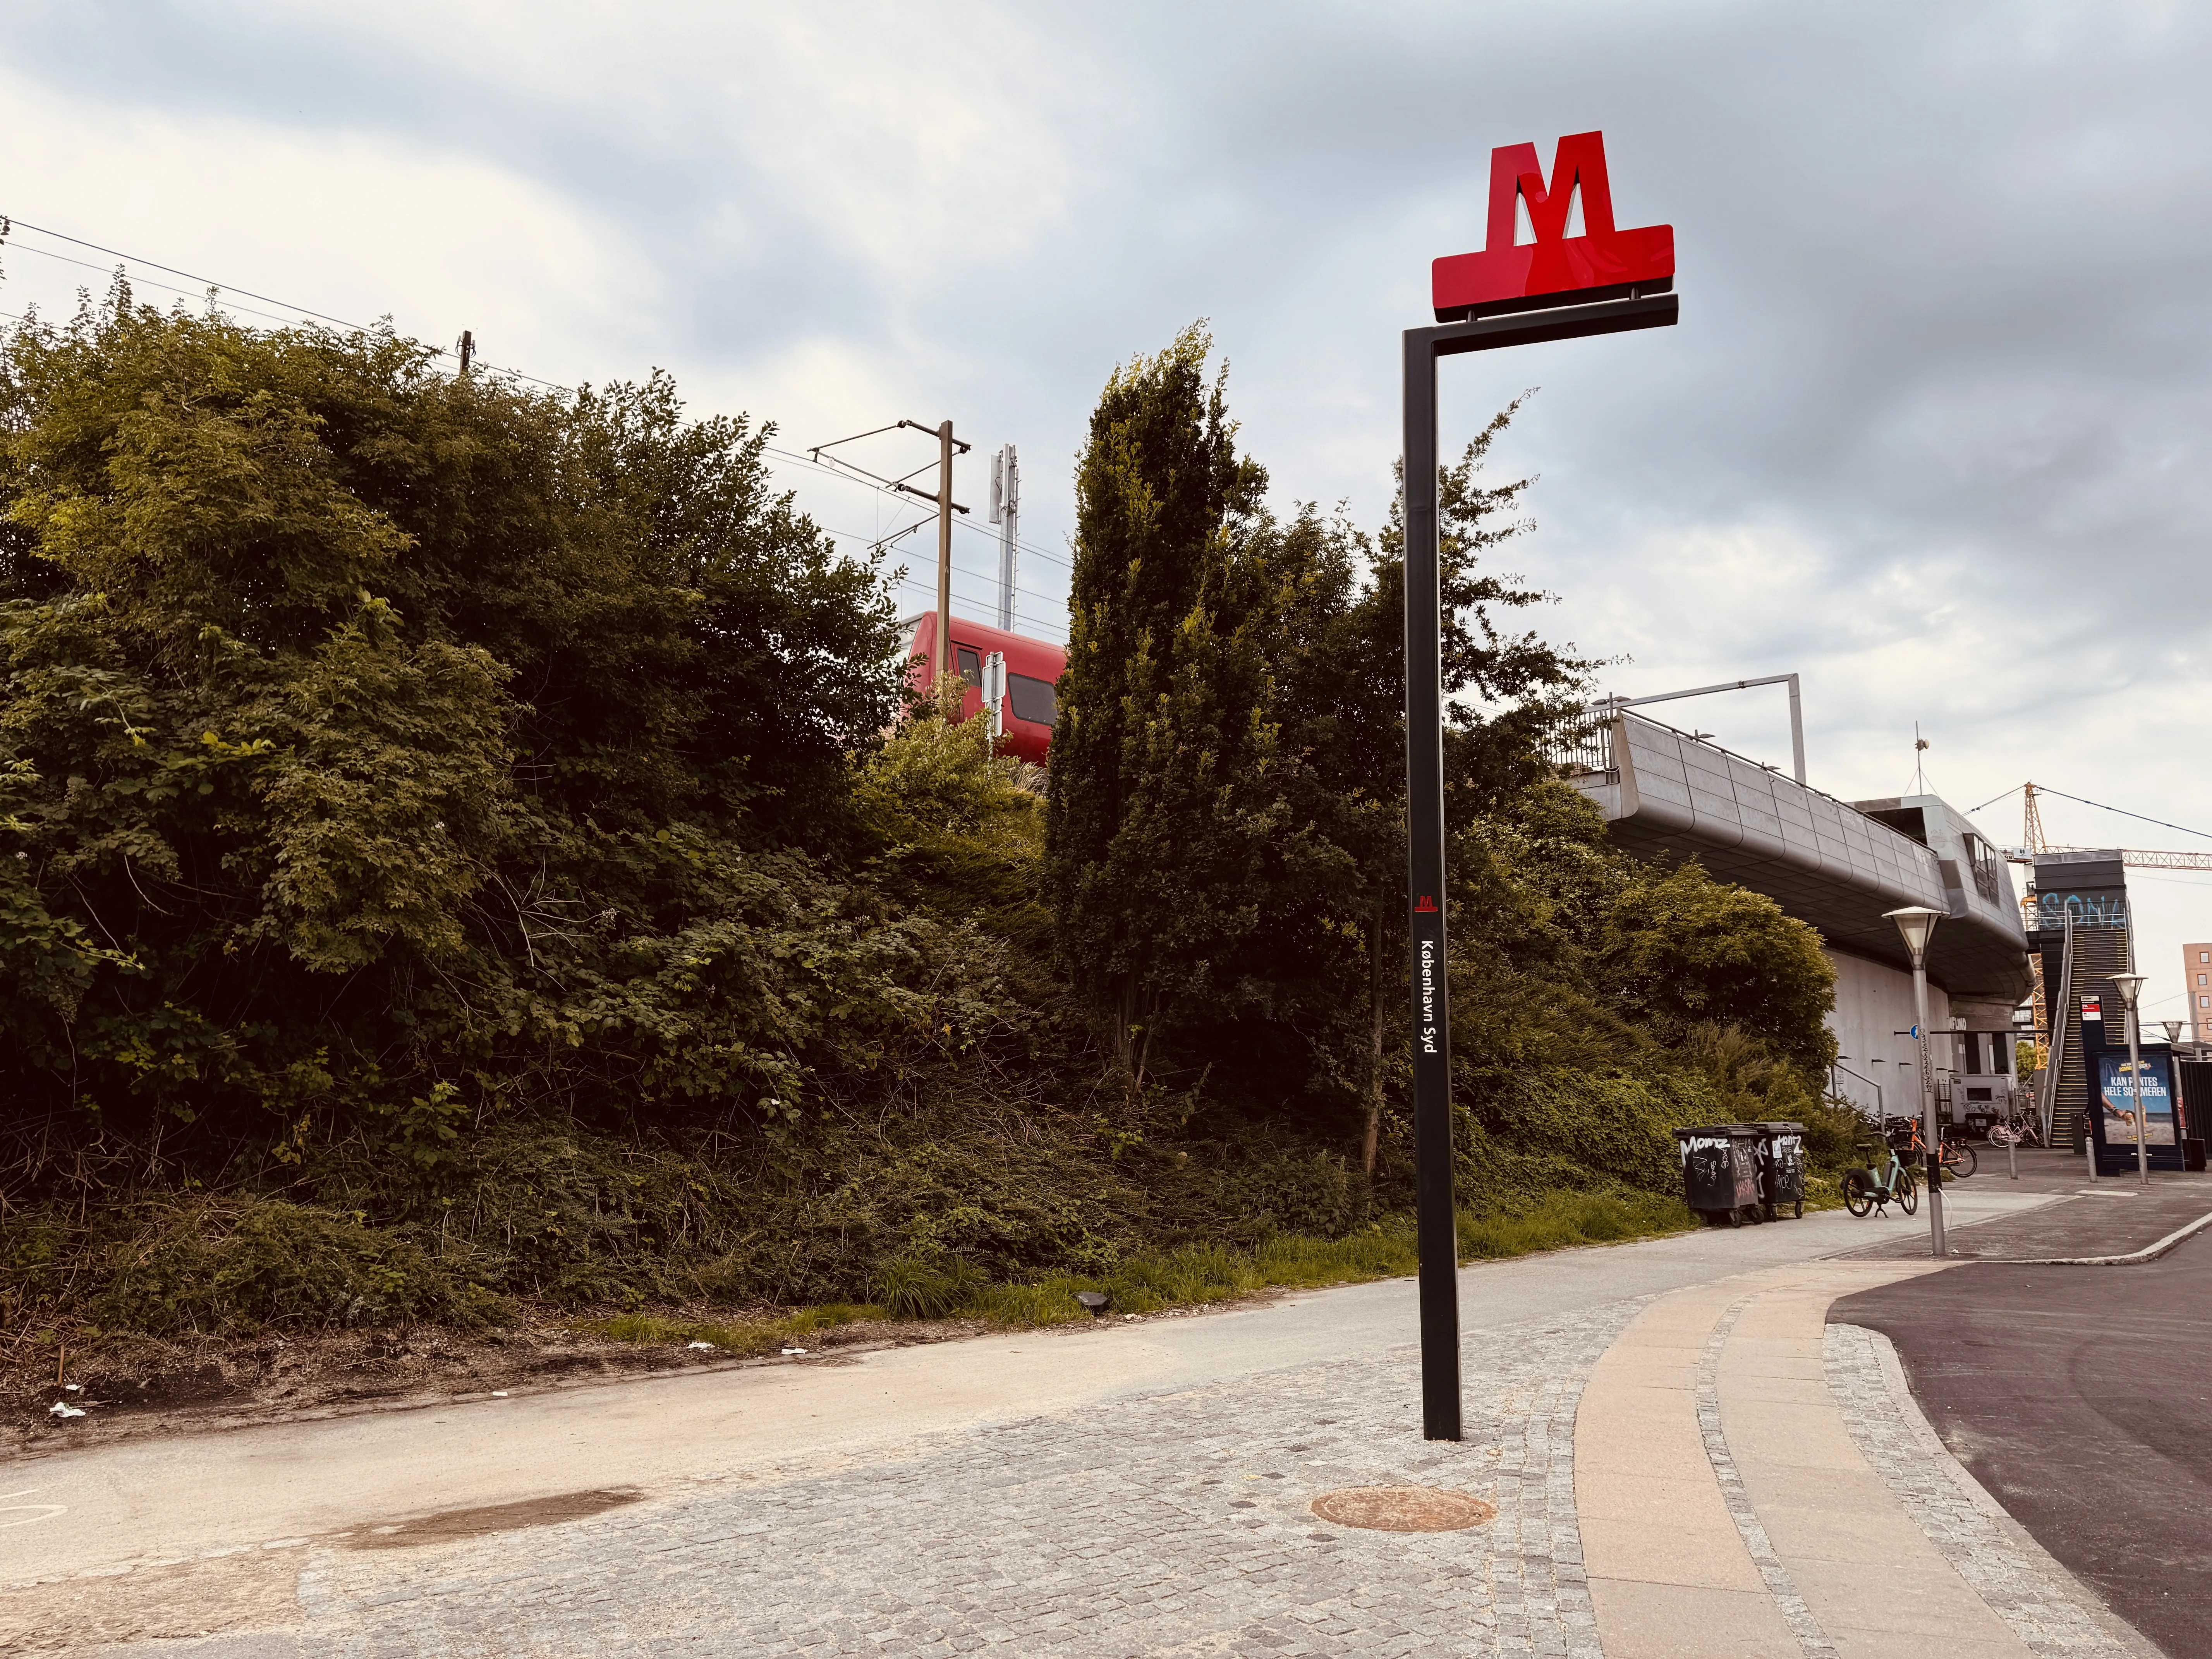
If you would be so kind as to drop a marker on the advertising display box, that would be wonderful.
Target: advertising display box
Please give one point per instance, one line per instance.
(2112, 1108)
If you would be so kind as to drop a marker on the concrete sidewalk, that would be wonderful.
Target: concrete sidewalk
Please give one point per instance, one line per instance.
(2053, 1212)
(1740, 1496)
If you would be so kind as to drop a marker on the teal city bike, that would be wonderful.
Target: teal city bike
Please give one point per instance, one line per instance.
(1883, 1181)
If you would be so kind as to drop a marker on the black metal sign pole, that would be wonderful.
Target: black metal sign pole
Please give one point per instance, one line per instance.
(1438, 1229)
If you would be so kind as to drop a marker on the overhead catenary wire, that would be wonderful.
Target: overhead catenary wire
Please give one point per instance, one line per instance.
(929, 593)
(883, 542)
(959, 576)
(220, 294)
(222, 287)
(848, 477)
(2046, 789)
(148, 282)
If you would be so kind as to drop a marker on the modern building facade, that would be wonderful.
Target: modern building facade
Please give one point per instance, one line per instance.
(1840, 865)
(2197, 977)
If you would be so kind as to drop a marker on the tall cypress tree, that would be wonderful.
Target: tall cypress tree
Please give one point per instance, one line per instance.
(1157, 706)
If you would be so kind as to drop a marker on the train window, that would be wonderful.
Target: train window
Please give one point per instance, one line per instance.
(1031, 698)
(971, 665)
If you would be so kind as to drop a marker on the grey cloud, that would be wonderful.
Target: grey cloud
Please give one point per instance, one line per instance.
(1941, 342)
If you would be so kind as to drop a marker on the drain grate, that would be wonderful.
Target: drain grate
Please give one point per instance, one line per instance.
(1403, 1509)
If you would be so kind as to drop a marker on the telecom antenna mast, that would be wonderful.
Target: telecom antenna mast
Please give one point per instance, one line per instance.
(1005, 513)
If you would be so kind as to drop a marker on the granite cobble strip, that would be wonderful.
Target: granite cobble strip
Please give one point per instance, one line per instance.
(2034, 1596)
(1812, 1641)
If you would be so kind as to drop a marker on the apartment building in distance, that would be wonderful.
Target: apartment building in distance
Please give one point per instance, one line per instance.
(2197, 976)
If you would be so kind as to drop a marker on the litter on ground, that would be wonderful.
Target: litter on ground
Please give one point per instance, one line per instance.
(62, 1408)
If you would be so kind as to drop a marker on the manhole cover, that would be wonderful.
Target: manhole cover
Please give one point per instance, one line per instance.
(1403, 1509)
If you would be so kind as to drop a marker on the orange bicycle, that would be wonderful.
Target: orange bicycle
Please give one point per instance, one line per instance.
(1957, 1158)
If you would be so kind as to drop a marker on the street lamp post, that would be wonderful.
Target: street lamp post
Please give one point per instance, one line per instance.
(2129, 986)
(1917, 923)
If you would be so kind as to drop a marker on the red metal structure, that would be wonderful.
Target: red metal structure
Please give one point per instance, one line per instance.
(1556, 269)
(1033, 668)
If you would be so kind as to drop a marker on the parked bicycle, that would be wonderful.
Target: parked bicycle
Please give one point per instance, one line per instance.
(1880, 1182)
(1956, 1156)
(2022, 1129)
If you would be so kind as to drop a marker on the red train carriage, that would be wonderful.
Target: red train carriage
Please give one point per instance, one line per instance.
(1033, 668)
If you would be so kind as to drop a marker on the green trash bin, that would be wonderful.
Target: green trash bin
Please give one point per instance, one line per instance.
(1720, 1172)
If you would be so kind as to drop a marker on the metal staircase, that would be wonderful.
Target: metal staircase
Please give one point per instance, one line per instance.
(2090, 957)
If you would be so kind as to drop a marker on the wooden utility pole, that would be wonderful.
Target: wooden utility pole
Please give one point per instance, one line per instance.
(941, 658)
(943, 664)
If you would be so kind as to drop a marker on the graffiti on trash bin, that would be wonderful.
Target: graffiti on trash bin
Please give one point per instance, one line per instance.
(1708, 1158)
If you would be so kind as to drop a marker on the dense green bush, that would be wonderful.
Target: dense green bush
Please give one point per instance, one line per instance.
(227, 1269)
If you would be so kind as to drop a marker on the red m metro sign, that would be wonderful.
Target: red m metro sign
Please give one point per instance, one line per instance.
(1602, 264)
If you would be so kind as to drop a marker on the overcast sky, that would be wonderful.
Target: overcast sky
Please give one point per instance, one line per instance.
(1933, 431)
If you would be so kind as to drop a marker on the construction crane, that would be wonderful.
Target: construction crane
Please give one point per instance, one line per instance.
(2032, 843)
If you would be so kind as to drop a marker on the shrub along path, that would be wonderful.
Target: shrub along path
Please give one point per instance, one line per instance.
(126, 1387)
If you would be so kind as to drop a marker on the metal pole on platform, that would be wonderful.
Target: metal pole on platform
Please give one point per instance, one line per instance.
(1436, 1229)
(1437, 1225)
(1917, 923)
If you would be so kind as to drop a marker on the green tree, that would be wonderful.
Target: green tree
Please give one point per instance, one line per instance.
(386, 749)
(1226, 840)
(1345, 705)
(1162, 705)
(1680, 950)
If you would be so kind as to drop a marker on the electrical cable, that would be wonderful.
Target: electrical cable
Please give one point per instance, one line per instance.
(2046, 789)
(927, 591)
(15, 224)
(1994, 800)
(886, 540)
(989, 586)
(143, 282)
(974, 528)
(225, 289)
(130, 258)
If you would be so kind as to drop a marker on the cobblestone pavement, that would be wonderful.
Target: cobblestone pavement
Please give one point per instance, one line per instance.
(2032, 1593)
(1175, 1524)
(1171, 1522)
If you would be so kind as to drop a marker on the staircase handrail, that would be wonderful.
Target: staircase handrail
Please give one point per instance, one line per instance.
(2057, 1056)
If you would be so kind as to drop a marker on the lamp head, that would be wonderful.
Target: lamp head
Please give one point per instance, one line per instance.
(2172, 1030)
(1917, 923)
(2129, 986)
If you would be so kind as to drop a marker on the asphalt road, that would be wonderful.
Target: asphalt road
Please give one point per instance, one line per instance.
(2081, 1398)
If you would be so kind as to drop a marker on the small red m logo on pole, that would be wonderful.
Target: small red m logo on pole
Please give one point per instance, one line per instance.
(1427, 907)
(1603, 263)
